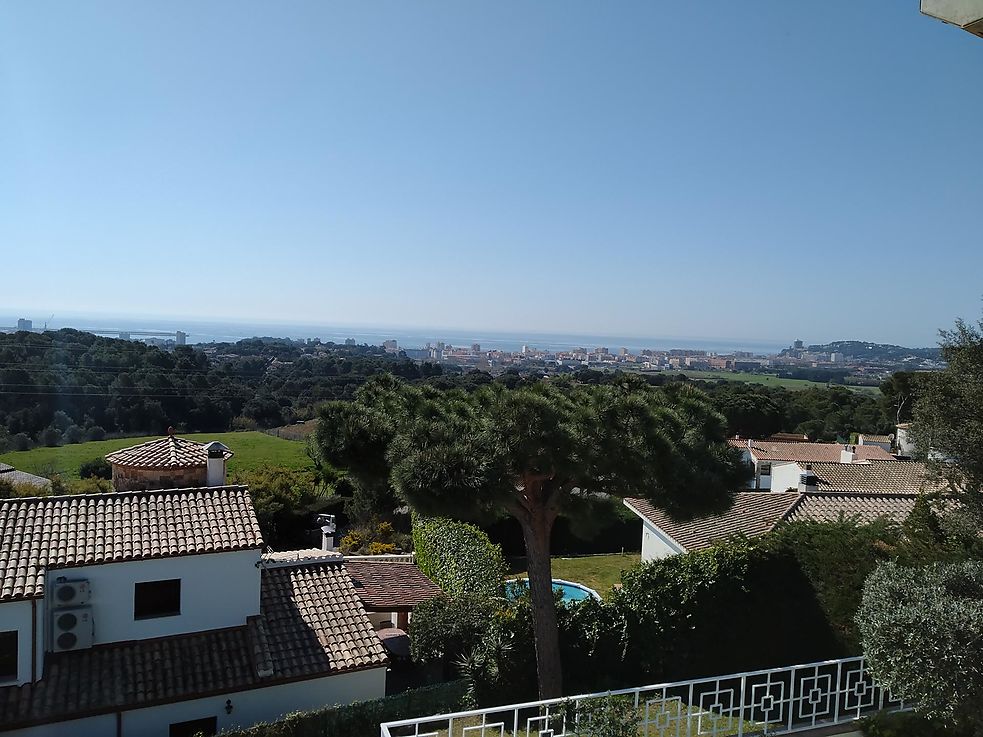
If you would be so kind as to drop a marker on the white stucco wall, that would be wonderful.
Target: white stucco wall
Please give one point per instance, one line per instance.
(248, 707)
(100, 726)
(656, 544)
(217, 590)
(16, 616)
(785, 476)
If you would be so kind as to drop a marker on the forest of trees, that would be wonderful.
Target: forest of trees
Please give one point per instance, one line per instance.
(67, 386)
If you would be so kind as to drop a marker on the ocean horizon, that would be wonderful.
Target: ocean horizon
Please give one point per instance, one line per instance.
(225, 331)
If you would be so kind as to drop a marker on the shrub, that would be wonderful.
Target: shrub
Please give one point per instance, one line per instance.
(922, 631)
(20, 441)
(362, 718)
(445, 628)
(50, 437)
(377, 548)
(95, 432)
(907, 724)
(458, 557)
(98, 468)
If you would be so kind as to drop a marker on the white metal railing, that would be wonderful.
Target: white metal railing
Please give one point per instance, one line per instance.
(763, 702)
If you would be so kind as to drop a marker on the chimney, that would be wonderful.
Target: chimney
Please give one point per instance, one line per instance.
(808, 481)
(848, 454)
(215, 475)
(327, 524)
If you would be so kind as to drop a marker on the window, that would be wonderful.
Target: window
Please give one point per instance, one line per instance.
(766, 469)
(8, 656)
(207, 726)
(157, 599)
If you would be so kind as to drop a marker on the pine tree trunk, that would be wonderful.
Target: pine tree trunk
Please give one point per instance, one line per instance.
(536, 532)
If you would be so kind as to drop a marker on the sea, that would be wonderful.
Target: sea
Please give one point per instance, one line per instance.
(228, 331)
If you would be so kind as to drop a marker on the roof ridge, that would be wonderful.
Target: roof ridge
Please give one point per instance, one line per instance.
(132, 492)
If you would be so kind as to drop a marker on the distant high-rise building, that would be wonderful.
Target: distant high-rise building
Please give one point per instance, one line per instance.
(525, 349)
(797, 345)
(23, 324)
(836, 357)
(476, 347)
(390, 345)
(180, 338)
(602, 351)
(622, 351)
(349, 341)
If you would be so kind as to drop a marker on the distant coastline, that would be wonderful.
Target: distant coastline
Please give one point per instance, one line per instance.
(227, 331)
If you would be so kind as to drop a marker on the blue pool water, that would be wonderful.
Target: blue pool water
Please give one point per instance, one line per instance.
(572, 592)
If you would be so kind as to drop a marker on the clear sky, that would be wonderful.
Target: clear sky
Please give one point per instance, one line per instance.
(712, 169)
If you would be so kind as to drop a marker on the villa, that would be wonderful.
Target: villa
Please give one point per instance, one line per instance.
(157, 613)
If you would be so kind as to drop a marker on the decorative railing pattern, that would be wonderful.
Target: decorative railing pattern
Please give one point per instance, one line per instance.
(764, 702)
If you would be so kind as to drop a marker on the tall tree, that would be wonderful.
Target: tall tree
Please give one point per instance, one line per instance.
(947, 425)
(532, 452)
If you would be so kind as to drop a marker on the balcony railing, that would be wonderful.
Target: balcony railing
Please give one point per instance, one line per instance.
(764, 702)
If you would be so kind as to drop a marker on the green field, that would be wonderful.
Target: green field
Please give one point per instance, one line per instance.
(599, 572)
(252, 450)
(769, 380)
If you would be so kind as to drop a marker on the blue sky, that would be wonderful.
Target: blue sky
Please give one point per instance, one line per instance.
(763, 170)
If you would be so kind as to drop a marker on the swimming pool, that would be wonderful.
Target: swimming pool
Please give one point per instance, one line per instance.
(572, 592)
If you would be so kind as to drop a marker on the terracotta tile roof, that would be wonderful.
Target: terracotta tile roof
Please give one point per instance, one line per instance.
(788, 437)
(11, 474)
(876, 438)
(166, 452)
(753, 513)
(40, 533)
(316, 622)
(312, 625)
(876, 477)
(387, 586)
(765, 450)
(820, 507)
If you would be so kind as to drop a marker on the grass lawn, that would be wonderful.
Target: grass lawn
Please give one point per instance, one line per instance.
(599, 572)
(769, 380)
(252, 450)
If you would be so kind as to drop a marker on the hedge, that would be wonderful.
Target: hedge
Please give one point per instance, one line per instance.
(362, 719)
(458, 557)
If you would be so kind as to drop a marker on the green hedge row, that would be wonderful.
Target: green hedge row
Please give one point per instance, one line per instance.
(362, 719)
(458, 557)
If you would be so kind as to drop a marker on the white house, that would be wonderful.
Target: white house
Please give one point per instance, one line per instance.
(156, 614)
(764, 454)
(755, 513)
(884, 442)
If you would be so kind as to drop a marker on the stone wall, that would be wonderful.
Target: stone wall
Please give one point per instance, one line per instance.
(141, 479)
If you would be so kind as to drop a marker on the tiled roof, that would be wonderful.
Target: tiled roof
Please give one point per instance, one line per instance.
(753, 513)
(312, 625)
(166, 452)
(820, 507)
(876, 477)
(876, 438)
(788, 437)
(11, 474)
(40, 533)
(384, 585)
(315, 621)
(765, 450)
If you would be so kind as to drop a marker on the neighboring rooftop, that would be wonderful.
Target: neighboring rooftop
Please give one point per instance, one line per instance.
(865, 438)
(167, 452)
(822, 507)
(312, 625)
(788, 437)
(41, 533)
(766, 450)
(754, 513)
(384, 585)
(22, 478)
(875, 477)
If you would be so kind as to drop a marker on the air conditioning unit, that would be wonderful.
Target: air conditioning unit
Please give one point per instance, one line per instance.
(70, 593)
(71, 628)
